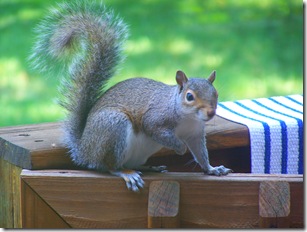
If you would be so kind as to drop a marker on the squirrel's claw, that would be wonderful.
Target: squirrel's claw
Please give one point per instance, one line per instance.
(219, 171)
(132, 178)
(133, 182)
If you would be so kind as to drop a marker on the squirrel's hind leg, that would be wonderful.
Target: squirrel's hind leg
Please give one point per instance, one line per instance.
(132, 178)
(109, 151)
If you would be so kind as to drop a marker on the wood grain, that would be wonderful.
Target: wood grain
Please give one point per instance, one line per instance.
(40, 146)
(222, 133)
(274, 199)
(86, 199)
(42, 216)
(10, 216)
(274, 204)
(163, 204)
(34, 146)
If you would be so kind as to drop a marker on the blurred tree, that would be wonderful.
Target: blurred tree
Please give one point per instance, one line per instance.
(255, 46)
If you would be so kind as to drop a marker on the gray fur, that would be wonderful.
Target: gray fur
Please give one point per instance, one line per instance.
(86, 40)
(123, 126)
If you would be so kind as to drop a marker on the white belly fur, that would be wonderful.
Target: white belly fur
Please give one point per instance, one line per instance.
(139, 148)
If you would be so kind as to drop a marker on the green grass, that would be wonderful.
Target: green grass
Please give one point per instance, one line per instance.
(256, 47)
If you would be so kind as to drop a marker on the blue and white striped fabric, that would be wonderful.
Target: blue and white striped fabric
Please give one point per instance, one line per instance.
(276, 131)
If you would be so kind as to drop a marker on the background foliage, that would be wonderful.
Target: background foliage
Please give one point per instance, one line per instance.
(256, 47)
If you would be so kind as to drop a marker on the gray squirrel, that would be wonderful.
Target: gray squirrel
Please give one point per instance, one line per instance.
(118, 129)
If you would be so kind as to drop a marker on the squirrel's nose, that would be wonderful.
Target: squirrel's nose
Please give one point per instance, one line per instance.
(211, 113)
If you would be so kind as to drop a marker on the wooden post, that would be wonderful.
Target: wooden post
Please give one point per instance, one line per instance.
(163, 204)
(274, 204)
(10, 215)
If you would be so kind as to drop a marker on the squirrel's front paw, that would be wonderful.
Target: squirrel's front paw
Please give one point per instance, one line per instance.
(132, 178)
(218, 171)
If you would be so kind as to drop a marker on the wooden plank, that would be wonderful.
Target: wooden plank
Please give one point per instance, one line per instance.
(297, 204)
(81, 207)
(40, 146)
(10, 216)
(34, 146)
(163, 204)
(41, 215)
(274, 204)
(222, 133)
(86, 199)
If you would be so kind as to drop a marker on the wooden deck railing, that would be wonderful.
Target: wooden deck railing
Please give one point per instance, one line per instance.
(41, 188)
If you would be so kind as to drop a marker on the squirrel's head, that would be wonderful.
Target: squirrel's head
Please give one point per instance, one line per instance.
(198, 96)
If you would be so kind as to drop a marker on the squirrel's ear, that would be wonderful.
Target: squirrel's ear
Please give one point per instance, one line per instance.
(211, 78)
(181, 79)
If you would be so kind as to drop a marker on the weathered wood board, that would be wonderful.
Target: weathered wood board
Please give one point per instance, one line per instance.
(40, 146)
(68, 197)
(84, 199)
(10, 213)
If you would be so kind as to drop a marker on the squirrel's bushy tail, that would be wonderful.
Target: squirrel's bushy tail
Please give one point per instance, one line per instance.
(86, 40)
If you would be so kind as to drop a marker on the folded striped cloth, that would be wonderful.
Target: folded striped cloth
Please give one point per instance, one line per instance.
(276, 131)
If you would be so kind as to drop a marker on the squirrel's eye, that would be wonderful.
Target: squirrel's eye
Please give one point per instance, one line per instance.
(190, 97)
